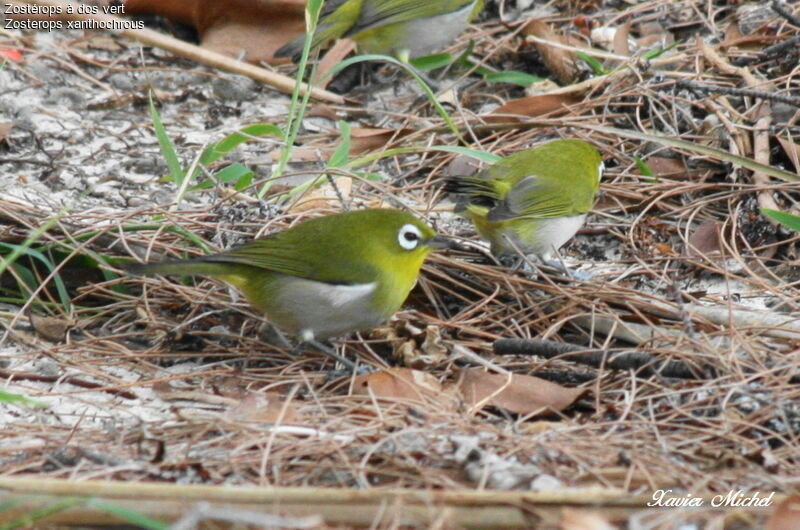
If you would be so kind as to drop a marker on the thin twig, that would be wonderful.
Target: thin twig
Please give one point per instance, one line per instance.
(185, 49)
(645, 364)
(761, 94)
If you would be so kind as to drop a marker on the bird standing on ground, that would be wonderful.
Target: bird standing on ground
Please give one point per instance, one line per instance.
(324, 277)
(534, 201)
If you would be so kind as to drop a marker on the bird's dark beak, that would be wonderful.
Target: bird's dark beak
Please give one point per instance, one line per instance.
(439, 241)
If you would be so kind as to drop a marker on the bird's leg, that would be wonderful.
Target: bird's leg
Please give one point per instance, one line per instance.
(560, 266)
(297, 350)
(521, 261)
(404, 57)
(270, 334)
(428, 80)
(514, 262)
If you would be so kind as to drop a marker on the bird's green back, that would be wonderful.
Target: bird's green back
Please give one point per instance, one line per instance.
(352, 18)
(347, 248)
(556, 179)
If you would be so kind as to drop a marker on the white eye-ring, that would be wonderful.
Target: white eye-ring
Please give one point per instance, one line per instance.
(409, 237)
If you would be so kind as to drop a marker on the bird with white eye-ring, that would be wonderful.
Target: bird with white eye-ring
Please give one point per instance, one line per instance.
(324, 277)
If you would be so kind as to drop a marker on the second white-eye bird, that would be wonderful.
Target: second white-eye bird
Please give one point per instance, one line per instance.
(402, 28)
(533, 201)
(324, 277)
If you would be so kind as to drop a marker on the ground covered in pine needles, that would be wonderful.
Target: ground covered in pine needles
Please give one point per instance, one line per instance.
(683, 345)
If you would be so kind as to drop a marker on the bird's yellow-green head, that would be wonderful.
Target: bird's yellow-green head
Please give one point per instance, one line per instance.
(533, 201)
(404, 28)
(326, 276)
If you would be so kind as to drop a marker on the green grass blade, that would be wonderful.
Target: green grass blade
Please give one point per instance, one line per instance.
(786, 219)
(368, 159)
(432, 62)
(167, 149)
(217, 150)
(515, 78)
(457, 149)
(653, 54)
(29, 520)
(10, 398)
(594, 64)
(717, 154)
(297, 107)
(238, 173)
(413, 73)
(342, 153)
(18, 250)
(645, 170)
(129, 516)
(61, 289)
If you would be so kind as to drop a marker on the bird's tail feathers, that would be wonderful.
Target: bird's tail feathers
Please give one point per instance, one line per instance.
(475, 192)
(293, 49)
(196, 266)
(469, 186)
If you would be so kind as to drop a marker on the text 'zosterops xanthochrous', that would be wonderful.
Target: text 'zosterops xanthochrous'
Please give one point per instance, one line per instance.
(403, 28)
(533, 201)
(326, 276)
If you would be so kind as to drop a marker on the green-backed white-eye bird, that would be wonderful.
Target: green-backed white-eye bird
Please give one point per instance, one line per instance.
(402, 28)
(323, 277)
(533, 201)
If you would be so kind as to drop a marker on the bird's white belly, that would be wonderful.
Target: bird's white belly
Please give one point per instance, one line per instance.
(320, 310)
(556, 232)
(430, 34)
(543, 237)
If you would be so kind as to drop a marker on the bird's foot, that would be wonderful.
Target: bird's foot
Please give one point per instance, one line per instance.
(327, 350)
(270, 334)
(581, 276)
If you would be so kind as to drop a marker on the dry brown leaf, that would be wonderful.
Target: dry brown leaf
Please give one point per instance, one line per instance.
(254, 30)
(620, 45)
(270, 407)
(662, 166)
(732, 36)
(52, 329)
(178, 10)
(539, 427)
(462, 165)
(652, 33)
(791, 148)
(573, 519)
(402, 384)
(544, 86)
(735, 38)
(333, 56)
(323, 111)
(431, 352)
(165, 391)
(433, 349)
(323, 196)
(560, 61)
(706, 240)
(520, 394)
(5, 127)
(100, 41)
(305, 154)
(664, 249)
(786, 515)
(533, 106)
(368, 139)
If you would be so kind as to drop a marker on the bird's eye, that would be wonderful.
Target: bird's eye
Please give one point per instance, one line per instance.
(409, 237)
